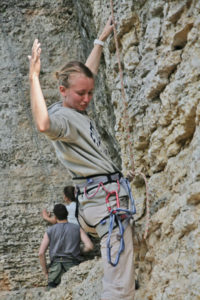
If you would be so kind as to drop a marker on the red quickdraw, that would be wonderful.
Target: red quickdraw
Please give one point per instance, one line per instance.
(116, 193)
(109, 194)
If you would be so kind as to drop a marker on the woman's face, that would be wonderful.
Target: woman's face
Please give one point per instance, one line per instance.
(79, 93)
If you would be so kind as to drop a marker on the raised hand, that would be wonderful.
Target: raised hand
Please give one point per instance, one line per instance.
(130, 175)
(45, 214)
(107, 30)
(34, 59)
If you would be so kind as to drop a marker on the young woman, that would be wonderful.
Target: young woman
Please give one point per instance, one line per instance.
(71, 204)
(79, 147)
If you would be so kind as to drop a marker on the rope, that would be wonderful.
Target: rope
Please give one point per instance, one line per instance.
(113, 215)
(126, 124)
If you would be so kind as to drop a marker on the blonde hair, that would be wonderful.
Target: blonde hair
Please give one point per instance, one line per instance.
(63, 76)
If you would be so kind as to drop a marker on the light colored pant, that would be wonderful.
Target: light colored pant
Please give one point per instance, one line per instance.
(118, 281)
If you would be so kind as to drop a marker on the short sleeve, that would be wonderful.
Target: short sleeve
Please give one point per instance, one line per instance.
(60, 128)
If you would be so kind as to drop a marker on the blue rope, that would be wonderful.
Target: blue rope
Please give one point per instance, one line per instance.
(121, 233)
(132, 211)
(114, 215)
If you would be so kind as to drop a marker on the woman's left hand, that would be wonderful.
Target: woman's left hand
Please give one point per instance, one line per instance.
(130, 175)
(107, 30)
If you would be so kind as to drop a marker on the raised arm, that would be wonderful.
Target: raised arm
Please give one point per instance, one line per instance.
(47, 217)
(38, 104)
(93, 60)
(88, 245)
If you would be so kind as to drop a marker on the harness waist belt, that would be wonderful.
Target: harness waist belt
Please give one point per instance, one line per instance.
(95, 180)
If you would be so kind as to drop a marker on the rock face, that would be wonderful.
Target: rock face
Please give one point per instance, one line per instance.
(160, 55)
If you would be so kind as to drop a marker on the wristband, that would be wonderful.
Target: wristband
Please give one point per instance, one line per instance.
(98, 42)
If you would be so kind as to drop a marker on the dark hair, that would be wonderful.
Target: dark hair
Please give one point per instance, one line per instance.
(69, 192)
(63, 75)
(60, 212)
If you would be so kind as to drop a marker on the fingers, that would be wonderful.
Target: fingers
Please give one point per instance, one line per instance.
(130, 175)
(44, 213)
(110, 21)
(36, 50)
(107, 29)
(36, 44)
(109, 24)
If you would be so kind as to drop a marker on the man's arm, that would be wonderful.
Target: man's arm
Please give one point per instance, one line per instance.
(47, 217)
(43, 247)
(38, 104)
(93, 60)
(88, 245)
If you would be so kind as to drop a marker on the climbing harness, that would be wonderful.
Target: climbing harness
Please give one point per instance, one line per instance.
(126, 124)
(117, 216)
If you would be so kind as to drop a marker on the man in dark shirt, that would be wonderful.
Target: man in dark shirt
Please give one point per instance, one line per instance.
(63, 240)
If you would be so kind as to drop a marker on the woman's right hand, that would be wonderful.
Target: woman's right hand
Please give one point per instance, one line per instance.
(34, 59)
